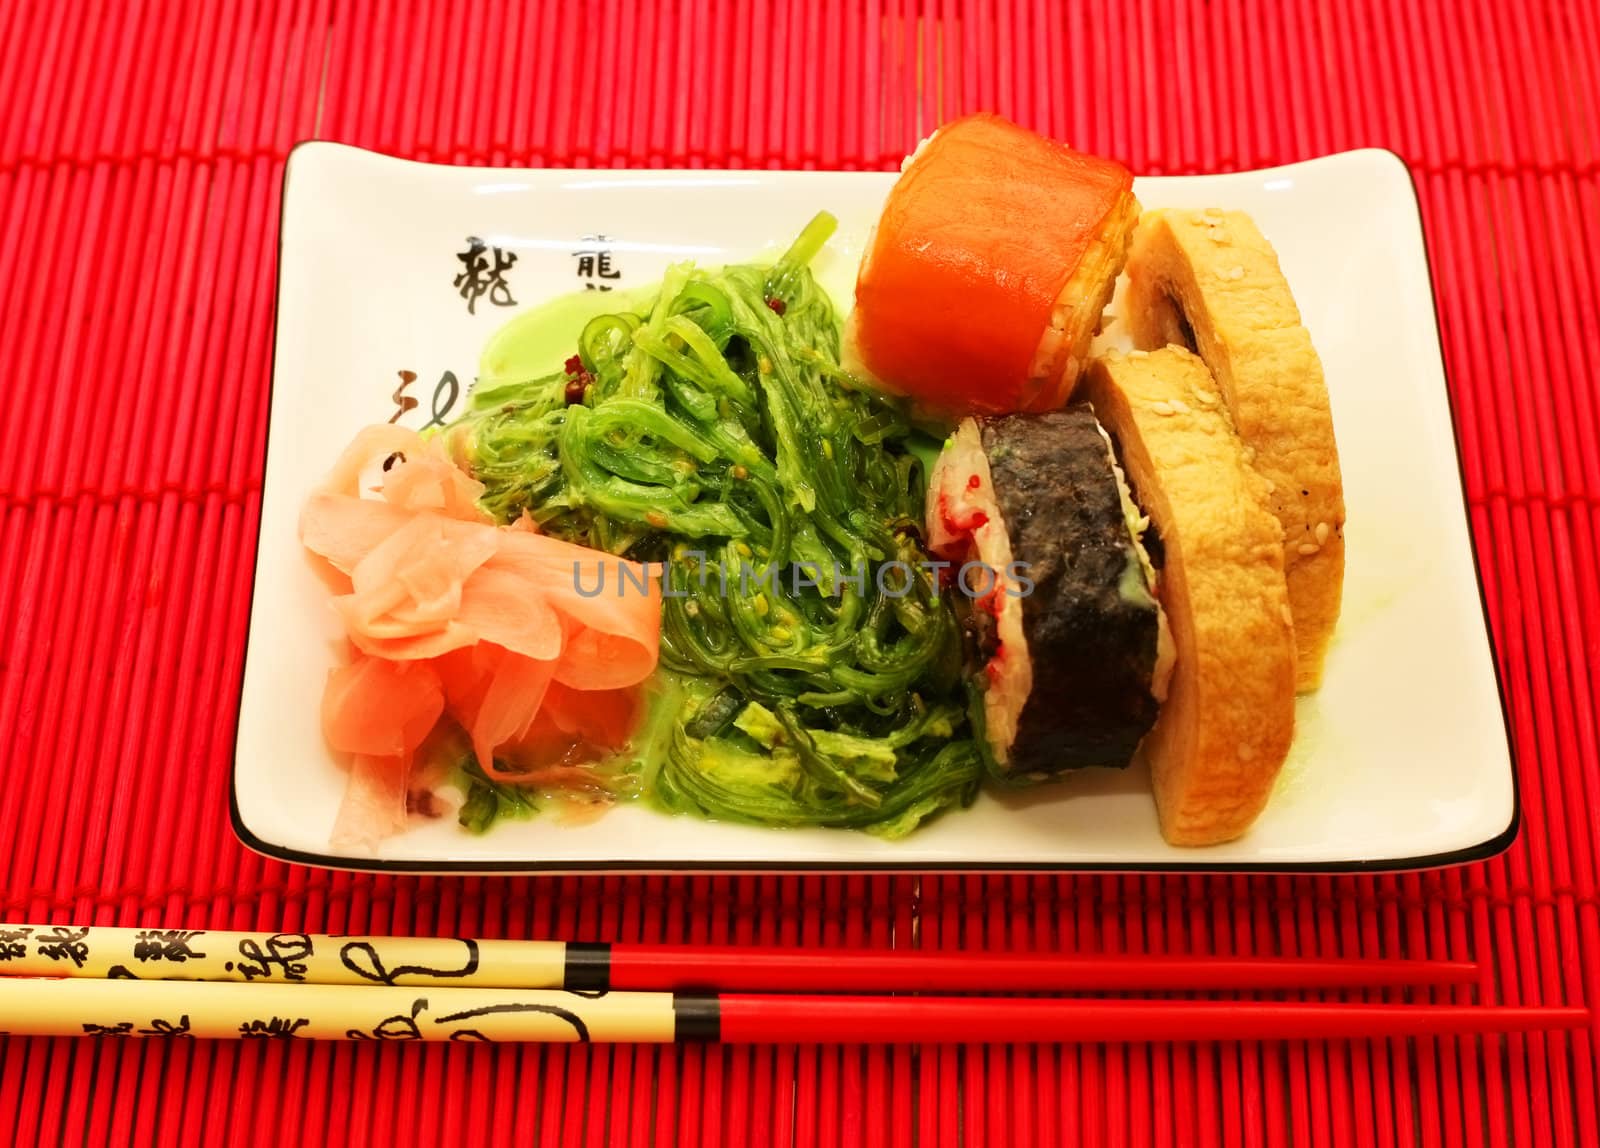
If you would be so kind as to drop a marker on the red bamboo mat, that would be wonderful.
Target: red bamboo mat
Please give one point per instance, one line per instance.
(141, 151)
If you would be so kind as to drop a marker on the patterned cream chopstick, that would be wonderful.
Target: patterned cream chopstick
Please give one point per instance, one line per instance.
(95, 951)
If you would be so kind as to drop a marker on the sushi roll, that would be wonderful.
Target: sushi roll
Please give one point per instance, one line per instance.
(989, 270)
(1228, 717)
(1066, 641)
(1209, 281)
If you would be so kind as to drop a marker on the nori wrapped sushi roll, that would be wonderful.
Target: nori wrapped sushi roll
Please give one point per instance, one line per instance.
(1069, 652)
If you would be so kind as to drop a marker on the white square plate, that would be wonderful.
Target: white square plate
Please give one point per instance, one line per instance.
(1400, 761)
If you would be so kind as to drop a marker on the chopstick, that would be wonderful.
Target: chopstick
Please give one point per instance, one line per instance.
(101, 981)
(182, 1009)
(182, 954)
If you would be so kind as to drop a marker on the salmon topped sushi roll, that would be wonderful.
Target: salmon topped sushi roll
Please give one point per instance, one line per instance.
(991, 265)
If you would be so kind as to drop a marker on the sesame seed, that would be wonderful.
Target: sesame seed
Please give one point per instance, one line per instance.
(1198, 219)
(1308, 548)
(1288, 618)
(1236, 273)
(1203, 397)
(1323, 531)
(1213, 213)
(1219, 237)
(1179, 406)
(1161, 407)
(1138, 354)
(1270, 485)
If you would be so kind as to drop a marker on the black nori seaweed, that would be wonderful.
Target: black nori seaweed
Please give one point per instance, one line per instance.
(1093, 650)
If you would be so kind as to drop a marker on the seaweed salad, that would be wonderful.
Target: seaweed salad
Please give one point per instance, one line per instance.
(810, 661)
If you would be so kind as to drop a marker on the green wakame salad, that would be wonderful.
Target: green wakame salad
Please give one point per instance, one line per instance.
(710, 427)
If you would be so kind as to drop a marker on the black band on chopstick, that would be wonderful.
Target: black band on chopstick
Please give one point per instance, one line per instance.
(588, 967)
(696, 1018)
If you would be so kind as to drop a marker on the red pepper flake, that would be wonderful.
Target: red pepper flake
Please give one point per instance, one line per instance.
(947, 516)
(578, 380)
(777, 306)
(973, 483)
(962, 520)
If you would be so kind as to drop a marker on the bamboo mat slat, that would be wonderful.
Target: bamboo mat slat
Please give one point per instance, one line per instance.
(141, 156)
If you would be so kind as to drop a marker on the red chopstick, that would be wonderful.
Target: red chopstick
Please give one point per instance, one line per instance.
(751, 969)
(745, 1019)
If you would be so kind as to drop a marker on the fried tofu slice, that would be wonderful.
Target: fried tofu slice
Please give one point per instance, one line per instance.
(1228, 718)
(1209, 281)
